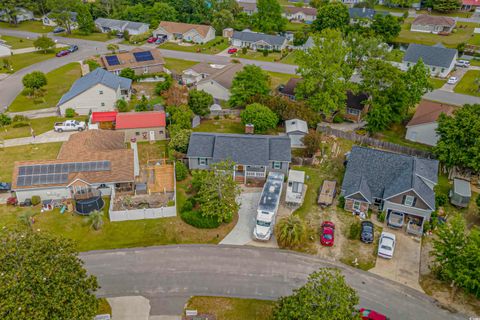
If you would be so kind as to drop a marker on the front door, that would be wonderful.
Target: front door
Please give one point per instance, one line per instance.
(240, 168)
(152, 135)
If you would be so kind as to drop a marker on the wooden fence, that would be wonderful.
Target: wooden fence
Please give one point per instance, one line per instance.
(375, 142)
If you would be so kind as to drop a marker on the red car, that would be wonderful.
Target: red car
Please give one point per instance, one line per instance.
(151, 40)
(232, 50)
(63, 53)
(327, 237)
(368, 314)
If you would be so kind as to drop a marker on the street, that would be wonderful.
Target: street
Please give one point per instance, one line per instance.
(169, 275)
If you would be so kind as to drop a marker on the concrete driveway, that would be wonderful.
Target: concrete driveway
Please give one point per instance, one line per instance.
(404, 267)
(459, 73)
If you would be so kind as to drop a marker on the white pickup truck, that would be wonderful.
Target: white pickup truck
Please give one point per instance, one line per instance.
(69, 125)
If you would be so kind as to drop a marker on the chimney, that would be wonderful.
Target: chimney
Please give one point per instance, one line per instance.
(249, 128)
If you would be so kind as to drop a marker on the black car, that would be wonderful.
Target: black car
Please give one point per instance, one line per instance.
(367, 232)
(5, 187)
(73, 48)
(58, 30)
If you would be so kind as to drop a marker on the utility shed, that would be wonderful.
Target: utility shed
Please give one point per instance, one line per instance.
(461, 193)
(295, 187)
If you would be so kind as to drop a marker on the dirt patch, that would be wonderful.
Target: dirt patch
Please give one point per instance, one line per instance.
(144, 88)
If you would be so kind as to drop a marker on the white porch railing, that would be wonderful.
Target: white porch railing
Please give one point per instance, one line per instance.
(255, 174)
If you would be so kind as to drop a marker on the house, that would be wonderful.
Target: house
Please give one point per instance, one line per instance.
(461, 193)
(296, 187)
(438, 59)
(105, 25)
(357, 106)
(94, 160)
(308, 44)
(258, 41)
(141, 61)
(22, 14)
(423, 126)
(469, 5)
(5, 49)
(296, 129)
(219, 83)
(358, 14)
(49, 21)
(196, 33)
(248, 7)
(433, 24)
(396, 184)
(254, 155)
(102, 120)
(143, 126)
(301, 14)
(350, 3)
(96, 91)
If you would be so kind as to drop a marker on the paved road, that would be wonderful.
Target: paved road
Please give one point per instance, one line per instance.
(447, 97)
(413, 14)
(168, 275)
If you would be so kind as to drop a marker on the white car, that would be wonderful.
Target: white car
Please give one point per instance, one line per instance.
(462, 63)
(386, 245)
(452, 80)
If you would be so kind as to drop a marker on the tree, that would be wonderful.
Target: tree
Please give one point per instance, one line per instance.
(326, 295)
(11, 9)
(42, 278)
(260, 116)
(251, 81)
(317, 4)
(459, 138)
(164, 85)
(222, 19)
(386, 26)
(417, 83)
(181, 171)
(363, 47)
(269, 17)
(112, 47)
(95, 219)
(85, 20)
(332, 16)
(34, 81)
(161, 11)
(143, 105)
(121, 105)
(312, 141)
(179, 140)
(128, 73)
(446, 5)
(200, 102)
(299, 38)
(325, 73)
(401, 3)
(44, 43)
(62, 14)
(218, 192)
(180, 117)
(291, 232)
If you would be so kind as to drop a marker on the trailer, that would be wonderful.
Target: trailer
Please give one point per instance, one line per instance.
(327, 193)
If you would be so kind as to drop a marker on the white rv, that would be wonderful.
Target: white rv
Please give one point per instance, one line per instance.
(268, 206)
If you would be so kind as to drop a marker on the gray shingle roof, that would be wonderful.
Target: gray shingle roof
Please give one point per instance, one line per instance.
(361, 13)
(254, 37)
(431, 55)
(240, 148)
(119, 24)
(98, 76)
(380, 174)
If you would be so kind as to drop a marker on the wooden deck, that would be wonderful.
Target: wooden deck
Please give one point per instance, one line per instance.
(161, 178)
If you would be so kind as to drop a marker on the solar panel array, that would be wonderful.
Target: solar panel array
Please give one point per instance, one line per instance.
(112, 60)
(56, 173)
(143, 56)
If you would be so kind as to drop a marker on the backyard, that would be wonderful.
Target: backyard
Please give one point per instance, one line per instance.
(20, 61)
(17, 43)
(396, 134)
(31, 26)
(39, 125)
(178, 65)
(469, 84)
(58, 83)
(221, 126)
(212, 47)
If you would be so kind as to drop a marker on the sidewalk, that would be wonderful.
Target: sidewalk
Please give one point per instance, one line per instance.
(47, 137)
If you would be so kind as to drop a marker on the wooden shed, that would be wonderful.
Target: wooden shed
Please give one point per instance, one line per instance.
(327, 193)
(461, 193)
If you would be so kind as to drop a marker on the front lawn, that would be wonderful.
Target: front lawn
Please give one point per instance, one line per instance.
(221, 126)
(59, 82)
(474, 40)
(437, 83)
(232, 308)
(295, 26)
(31, 26)
(469, 84)
(39, 125)
(290, 58)
(178, 65)
(257, 55)
(212, 47)
(20, 61)
(94, 36)
(17, 43)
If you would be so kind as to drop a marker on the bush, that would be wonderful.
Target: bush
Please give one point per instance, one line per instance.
(478, 201)
(341, 202)
(5, 120)
(92, 64)
(164, 85)
(139, 37)
(69, 113)
(187, 206)
(121, 105)
(440, 199)
(265, 53)
(19, 118)
(20, 124)
(36, 200)
(181, 171)
(337, 119)
(355, 230)
(244, 50)
(196, 219)
(381, 217)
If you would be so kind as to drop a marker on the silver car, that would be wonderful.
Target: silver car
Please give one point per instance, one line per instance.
(386, 245)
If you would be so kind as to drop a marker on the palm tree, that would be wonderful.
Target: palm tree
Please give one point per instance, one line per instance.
(291, 231)
(95, 219)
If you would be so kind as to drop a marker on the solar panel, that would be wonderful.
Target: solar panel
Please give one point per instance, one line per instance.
(143, 56)
(112, 60)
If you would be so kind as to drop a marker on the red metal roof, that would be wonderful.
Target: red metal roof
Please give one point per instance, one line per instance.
(108, 116)
(471, 2)
(133, 120)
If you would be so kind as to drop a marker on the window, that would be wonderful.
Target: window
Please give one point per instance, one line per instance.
(277, 165)
(102, 104)
(356, 205)
(202, 161)
(137, 133)
(354, 112)
(100, 92)
(433, 69)
(409, 201)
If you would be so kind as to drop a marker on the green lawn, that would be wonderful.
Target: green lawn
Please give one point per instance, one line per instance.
(39, 125)
(17, 43)
(220, 126)
(59, 82)
(232, 308)
(462, 33)
(178, 65)
(257, 55)
(474, 40)
(290, 58)
(277, 78)
(20, 61)
(437, 83)
(379, 7)
(212, 47)
(475, 62)
(467, 85)
(95, 36)
(396, 134)
(32, 26)
(395, 55)
(295, 26)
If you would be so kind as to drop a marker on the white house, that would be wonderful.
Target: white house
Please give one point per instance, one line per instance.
(438, 59)
(105, 25)
(96, 91)
(219, 83)
(296, 129)
(258, 41)
(303, 14)
(47, 20)
(433, 24)
(22, 14)
(422, 127)
(196, 33)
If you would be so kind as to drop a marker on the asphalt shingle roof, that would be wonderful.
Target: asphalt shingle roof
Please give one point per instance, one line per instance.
(119, 24)
(438, 56)
(240, 148)
(255, 37)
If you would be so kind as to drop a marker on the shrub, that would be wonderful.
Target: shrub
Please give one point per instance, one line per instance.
(244, 50)
(121, 105)
(196, 219)
(181, 171)
(69, 113)
(36, 200)
(291, 232)
(187, 206)
(337, 119)
(5, 120)
(19, 118)
(139, 37)
(341, 202)
(381, 216)
(440, 199)
(355, 230)
(92, 64)
(478, 201)
(164, 85)
(20, 124)
(265, 53)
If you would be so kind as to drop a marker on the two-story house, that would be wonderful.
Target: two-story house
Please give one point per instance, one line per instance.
(254, 155)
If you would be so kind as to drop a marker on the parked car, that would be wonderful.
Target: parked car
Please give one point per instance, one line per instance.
(232, 50)
(73, 48)
(63, 53)
(367, 314)
(58, 30)
(26, 203)
(12, 201)
(462, 63)
(395, 219)
(386, 245)
(69, 125)
(159, 40)
(367, 232)
(327, 236)
(152, 39)
(5, 187)
(452, 80)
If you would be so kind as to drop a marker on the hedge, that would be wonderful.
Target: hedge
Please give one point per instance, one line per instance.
(195, 218)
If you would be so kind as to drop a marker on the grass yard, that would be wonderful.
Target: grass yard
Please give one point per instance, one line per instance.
(295, 26)
(23, 153)
(437, 83)
(59, 82)
(31, 26)
(277, 78)
(463, 33)
(212, 47)
(152, 151)
(474, 39)
(94, 36)
(232, 308)
(395, 55)
(20, 61)
(17, 43)
(39, 125)
(257, 55)
(178, 65)
(221, 126)
(379, 7)
(396, 134)
(469, 84)
(290, 58)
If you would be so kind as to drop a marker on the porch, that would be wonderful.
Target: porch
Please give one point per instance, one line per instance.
(241, 173)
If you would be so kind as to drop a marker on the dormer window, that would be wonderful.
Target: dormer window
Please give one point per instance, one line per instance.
(409, 201)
